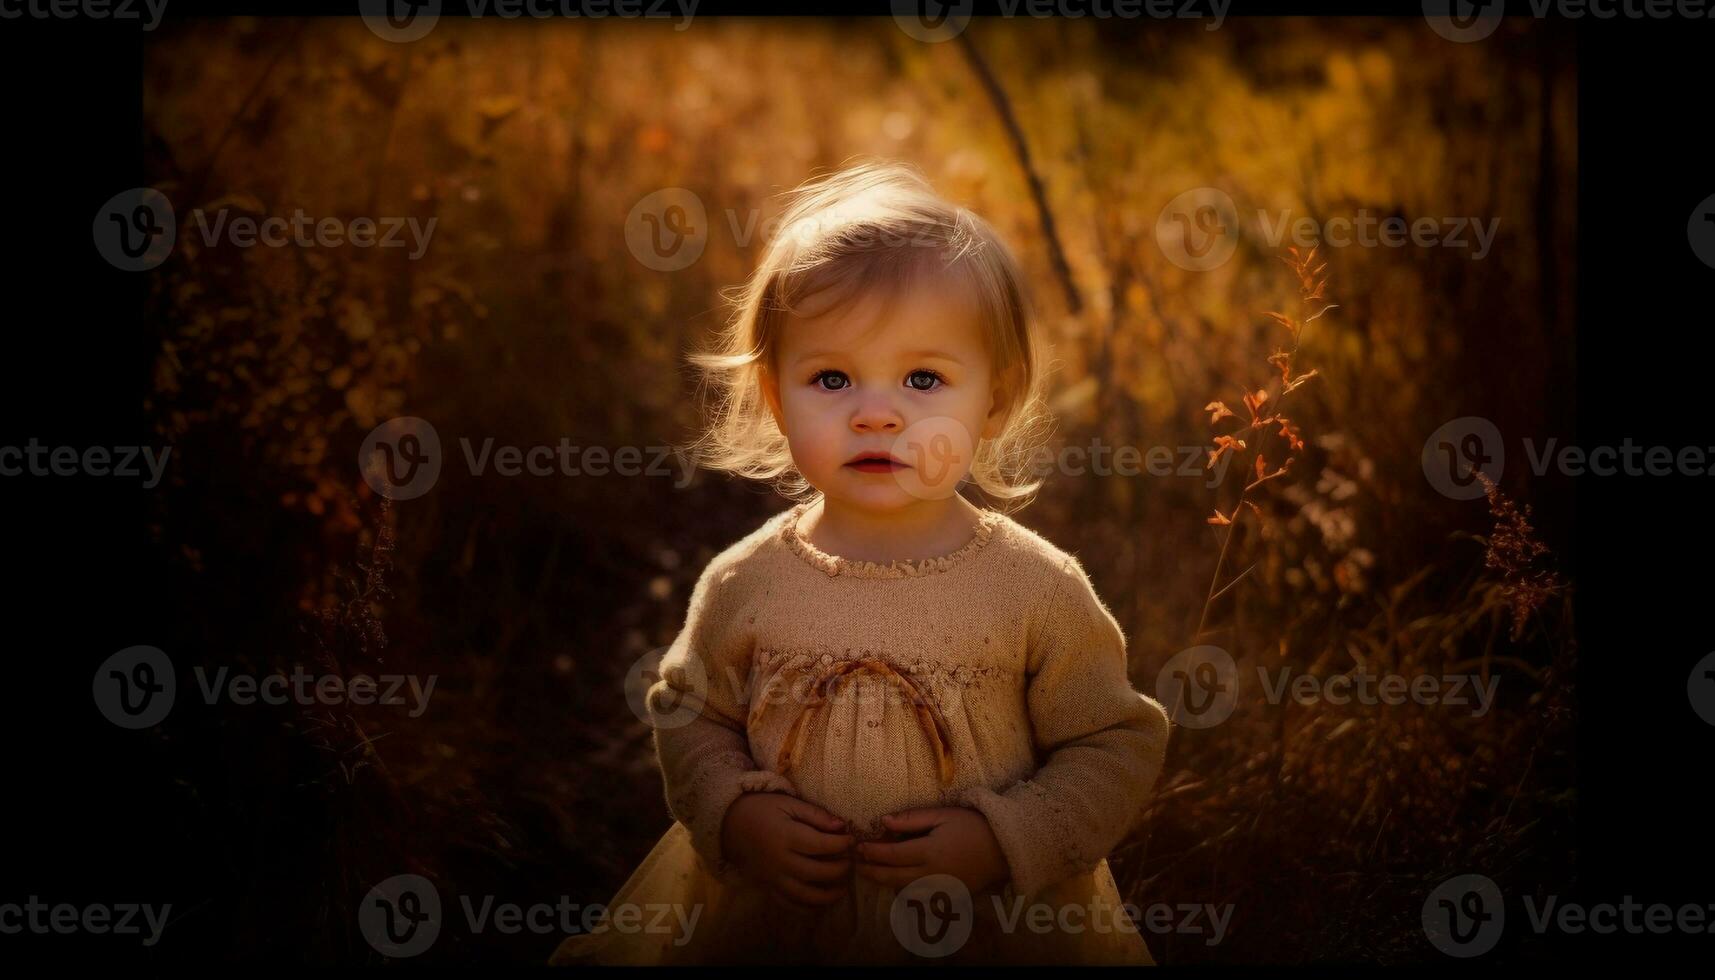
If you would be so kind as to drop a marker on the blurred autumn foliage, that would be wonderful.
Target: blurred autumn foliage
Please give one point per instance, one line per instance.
(527, 320)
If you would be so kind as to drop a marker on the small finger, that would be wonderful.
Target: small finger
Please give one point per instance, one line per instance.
(901, 854)
(817, 817)
(912, 821)
(806, 840)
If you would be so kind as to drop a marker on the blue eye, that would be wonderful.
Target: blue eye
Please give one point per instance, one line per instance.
(923, 379)
(934, 379)
(822, 376)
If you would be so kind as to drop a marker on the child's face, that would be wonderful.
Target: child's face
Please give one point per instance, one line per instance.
(917, 385)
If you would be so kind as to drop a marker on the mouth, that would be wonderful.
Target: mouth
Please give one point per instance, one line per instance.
(875, 463)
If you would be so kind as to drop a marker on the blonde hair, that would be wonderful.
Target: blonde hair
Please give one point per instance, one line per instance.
(867, 226)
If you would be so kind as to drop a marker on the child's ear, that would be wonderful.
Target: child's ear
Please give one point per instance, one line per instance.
(771, 395)
(999, 397)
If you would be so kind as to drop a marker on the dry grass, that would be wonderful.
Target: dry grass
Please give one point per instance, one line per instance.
(1325, 825)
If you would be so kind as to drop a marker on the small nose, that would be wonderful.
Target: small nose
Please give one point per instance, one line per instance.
(876, 414)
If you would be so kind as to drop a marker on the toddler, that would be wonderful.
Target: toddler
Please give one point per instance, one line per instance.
(896, 726)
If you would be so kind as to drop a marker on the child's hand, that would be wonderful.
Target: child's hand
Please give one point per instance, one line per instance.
(954, 840)
(796, 849)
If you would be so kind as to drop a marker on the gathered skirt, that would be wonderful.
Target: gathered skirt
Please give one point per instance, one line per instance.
(672, 911)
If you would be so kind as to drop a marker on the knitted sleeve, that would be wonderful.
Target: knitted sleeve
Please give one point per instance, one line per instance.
(1102, 742)
(698, 708)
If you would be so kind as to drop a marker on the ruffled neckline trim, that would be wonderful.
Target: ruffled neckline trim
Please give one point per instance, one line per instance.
(987, 522)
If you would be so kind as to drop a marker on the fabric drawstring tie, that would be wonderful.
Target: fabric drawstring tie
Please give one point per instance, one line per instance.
(924, 708)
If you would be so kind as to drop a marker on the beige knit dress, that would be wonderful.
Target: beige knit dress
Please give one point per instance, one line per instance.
(992, 678)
